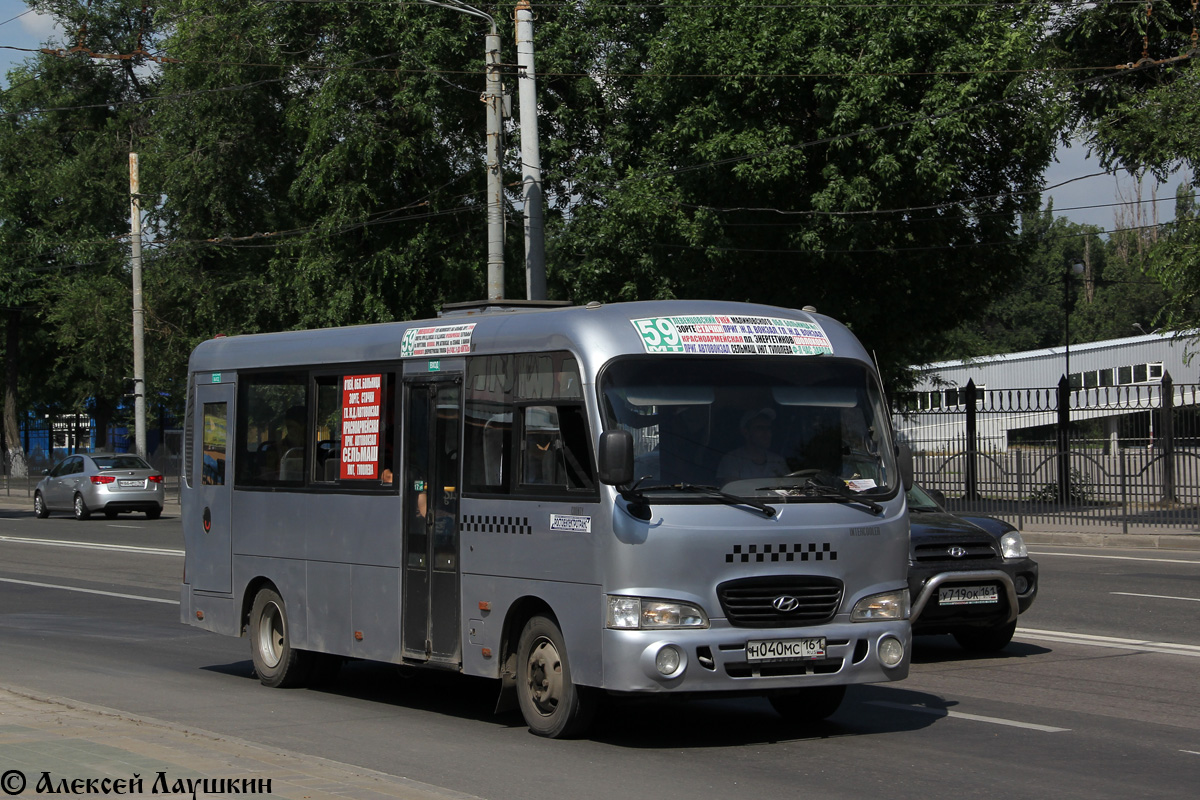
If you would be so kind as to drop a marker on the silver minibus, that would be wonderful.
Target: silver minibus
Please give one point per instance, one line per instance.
(674, 498)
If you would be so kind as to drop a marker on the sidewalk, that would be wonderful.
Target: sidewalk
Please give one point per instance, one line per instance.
(62, 746)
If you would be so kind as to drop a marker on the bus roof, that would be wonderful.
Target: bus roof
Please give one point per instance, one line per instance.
(596, 332)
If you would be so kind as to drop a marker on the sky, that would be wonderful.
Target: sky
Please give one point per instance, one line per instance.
(1086, 200)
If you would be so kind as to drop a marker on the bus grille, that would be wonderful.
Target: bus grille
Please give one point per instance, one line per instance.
(768, 602)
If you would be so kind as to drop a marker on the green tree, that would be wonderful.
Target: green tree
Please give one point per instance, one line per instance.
(66, 124)
(1112, 290)
(1135, 99)
(870, 160)
(320, 162)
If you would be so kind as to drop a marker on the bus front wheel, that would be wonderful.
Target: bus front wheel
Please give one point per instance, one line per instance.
(277, 663)
(551, 703)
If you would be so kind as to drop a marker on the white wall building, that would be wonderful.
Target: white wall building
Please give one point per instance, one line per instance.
(1017, 390)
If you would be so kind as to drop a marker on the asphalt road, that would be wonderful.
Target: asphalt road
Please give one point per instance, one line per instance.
(1096, 698)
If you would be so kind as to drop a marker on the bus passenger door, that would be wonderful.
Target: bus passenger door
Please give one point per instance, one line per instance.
(207, 530)
(432, 424)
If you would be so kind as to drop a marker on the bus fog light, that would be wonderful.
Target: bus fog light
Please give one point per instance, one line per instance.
(891, 651)
(663, 661)
(667, 661)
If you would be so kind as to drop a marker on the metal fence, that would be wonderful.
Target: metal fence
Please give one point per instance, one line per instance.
(49, 448)
(1125, 458)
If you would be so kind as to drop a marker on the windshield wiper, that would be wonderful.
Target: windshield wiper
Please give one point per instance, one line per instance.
(827, 491)
(715, 493)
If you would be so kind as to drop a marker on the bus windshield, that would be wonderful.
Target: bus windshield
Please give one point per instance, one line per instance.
(771, 428)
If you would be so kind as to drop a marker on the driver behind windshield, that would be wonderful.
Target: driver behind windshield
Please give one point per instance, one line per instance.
(754, 459)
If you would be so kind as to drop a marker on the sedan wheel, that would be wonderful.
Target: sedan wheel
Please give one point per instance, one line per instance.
(81, 509)
(39, 506)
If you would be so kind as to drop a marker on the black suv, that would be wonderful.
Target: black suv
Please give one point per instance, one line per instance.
(969, 576)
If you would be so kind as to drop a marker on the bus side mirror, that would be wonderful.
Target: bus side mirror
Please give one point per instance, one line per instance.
(904, 459)
(616, 458)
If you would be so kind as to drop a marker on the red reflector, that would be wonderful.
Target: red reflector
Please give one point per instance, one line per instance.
(156, 478)
(103, 479)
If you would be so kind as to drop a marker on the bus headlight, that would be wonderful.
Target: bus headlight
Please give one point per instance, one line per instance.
(1013, 546)
(641, 613)
(888, 605)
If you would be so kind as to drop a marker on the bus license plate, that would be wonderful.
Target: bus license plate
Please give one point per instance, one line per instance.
(785, 649)
(130, 484)
(967, 595)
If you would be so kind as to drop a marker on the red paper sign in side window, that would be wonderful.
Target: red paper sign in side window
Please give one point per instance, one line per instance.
(361, 396)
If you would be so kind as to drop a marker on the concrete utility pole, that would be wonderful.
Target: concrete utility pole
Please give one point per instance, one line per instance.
(531, 158)
(495, 185)
(494, 100)
(139, 330)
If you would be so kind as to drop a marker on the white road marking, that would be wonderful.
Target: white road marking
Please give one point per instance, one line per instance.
(90, 591)
(1090, 640)
(1190, 752)
(119, 548)
(942, 712)
(1193, 562)
(1157, 596)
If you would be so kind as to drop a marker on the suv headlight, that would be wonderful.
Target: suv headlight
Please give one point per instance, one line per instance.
(888, 605)
(641, 613)
(1013, 546)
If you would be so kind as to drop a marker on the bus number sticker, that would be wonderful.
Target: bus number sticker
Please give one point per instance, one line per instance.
(732, 335)
(571, 523)
(360, 426)
(437, 340)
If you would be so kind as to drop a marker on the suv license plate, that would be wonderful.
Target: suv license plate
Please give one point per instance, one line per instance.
(785, 649)
(967, 595)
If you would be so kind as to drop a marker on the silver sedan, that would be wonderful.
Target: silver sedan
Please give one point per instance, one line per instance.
(100, 482)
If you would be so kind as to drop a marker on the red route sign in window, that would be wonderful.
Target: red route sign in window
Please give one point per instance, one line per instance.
(361, 396)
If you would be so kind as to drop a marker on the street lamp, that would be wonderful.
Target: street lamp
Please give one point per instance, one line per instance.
(1074, 269)
(1064, 386)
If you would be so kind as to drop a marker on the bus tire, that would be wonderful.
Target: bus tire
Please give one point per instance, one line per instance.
(811, 704)
(276, 662)
(553, 706)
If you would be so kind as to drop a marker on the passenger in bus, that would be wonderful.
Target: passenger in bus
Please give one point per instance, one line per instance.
(754, 459)
(295, 433)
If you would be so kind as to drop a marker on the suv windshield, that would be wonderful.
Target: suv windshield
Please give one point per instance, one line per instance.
(770, 428)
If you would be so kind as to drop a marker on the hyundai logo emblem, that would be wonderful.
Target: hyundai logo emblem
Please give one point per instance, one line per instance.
(785, 603)
(956, 551)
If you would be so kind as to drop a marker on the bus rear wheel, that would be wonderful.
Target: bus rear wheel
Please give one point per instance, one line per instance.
(276, 662)
(553, 706)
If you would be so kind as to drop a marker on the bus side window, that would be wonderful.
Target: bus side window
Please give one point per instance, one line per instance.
(556, 450)
(273, 432)
(525, 419)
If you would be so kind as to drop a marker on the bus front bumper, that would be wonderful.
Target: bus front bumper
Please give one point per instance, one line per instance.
(719, 659)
